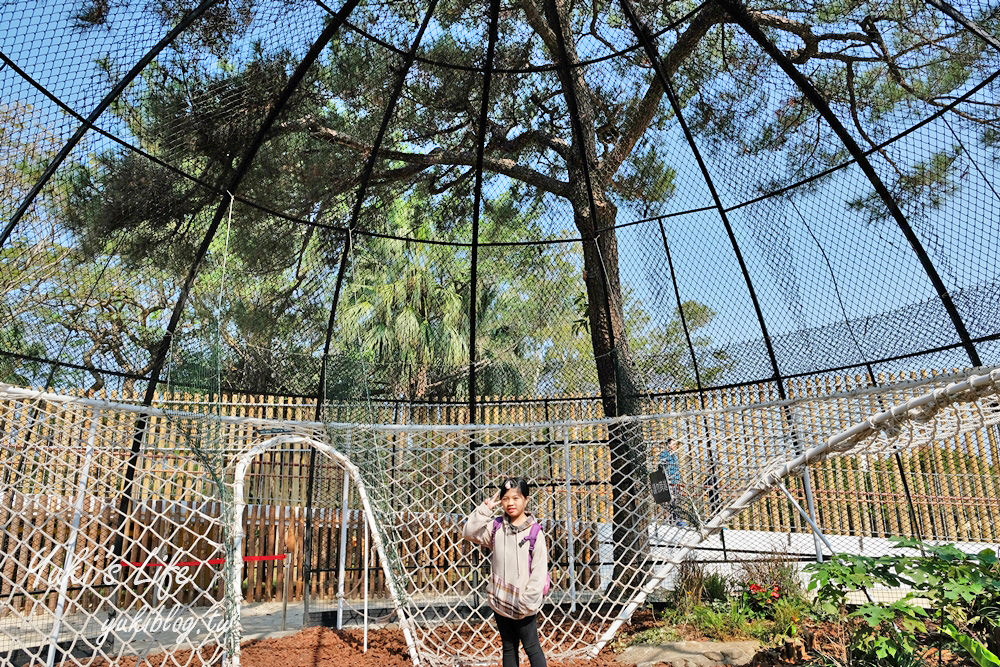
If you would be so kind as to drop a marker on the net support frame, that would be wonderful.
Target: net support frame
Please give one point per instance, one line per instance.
(351, 471)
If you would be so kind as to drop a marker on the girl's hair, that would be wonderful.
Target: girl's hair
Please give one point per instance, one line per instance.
(518, 483)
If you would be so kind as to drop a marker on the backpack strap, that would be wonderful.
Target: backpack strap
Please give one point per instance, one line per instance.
(533, 532)
(497, 522)
(533, 535)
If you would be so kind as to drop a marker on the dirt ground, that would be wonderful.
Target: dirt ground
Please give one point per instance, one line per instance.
(323, 646)
(320, 646)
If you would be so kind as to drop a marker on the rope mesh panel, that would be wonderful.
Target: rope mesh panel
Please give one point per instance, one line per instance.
(611, 543)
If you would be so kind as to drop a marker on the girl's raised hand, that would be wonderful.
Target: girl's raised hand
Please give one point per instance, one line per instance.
(494, 501)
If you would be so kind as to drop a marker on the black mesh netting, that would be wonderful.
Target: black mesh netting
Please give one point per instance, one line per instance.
(447, 202)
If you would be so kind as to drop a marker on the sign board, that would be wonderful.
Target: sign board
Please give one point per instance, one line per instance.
(660, 486)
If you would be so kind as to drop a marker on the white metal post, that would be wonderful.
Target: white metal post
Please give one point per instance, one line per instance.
(69, 563)
(342, 557)
(807, 487)
(570, 547)
(364, 559)
(286, 570)
(812, 524)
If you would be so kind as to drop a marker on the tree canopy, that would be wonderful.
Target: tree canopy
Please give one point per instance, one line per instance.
(369, 170)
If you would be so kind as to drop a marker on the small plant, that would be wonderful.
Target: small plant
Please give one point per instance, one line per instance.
(760, 599)
(689, 587)
(716, 588)
(724, 622)
(763, 582)
(787, 616)
(659, 635)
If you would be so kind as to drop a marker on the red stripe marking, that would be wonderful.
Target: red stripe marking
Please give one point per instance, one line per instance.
(193, 563)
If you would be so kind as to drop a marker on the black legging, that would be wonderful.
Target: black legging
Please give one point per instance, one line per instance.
(522, 631)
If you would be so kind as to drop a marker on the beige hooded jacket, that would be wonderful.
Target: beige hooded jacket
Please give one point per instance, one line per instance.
(515, 589)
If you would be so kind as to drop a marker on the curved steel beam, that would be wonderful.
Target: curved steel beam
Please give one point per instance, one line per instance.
(683, 317)
(112, 95)
(362, 192)
(243, 167)
(645, 36)
(341, 271)
(478, 198)
(741, 17)
(573, 104)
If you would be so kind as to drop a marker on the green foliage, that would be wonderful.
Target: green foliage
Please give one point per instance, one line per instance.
(690, 585)
(787, 615)
(760, 599)
(716, 587)
(973, 647)
(886, 634)
(730, 620)
(762, 577)
(724, 623)
(964, 589)
(200, 104)
(660, 634)
(702, 604)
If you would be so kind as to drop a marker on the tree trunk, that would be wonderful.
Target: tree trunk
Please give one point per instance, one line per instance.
(620, 388)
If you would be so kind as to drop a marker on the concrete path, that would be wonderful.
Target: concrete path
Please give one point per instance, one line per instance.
(691, 654)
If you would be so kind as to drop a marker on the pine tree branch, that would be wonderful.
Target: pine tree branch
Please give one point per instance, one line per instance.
(438, 156)
(639, 121)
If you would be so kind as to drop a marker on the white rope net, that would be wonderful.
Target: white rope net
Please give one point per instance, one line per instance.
(112, 551)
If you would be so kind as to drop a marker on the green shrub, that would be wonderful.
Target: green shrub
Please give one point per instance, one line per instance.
(662, 634)
(689, 586)
(963, 588)
(722, 622)
(787, 616)
(716, 588)
(772, 570)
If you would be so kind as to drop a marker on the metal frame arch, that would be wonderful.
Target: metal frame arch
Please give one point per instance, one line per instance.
(234, 568)
(366, 174)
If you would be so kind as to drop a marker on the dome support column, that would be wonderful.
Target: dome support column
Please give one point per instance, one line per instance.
(595, 217)
(345, 256)
(246, 160)
(645, 37)
(477, 204)
(474, 482)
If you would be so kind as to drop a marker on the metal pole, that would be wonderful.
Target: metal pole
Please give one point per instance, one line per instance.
(811, 508)
(342, 556)
(570, 555)
(812, 524)
(307, 556)
(68, 561)
(284, 593)
(796, 419)
(364, 559)
(914, 517)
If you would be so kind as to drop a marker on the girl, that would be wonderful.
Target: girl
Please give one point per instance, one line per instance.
(518, 568)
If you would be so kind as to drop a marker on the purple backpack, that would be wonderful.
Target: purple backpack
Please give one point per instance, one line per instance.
(532, 536)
